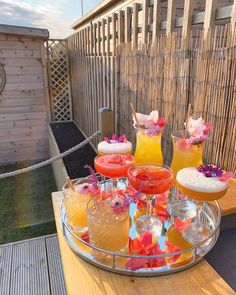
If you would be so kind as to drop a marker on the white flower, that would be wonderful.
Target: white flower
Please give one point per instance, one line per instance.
(154, 116)
(146, 120)
(195, 127)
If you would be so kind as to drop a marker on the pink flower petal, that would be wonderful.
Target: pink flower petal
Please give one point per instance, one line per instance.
(146, 239)
(136, 263)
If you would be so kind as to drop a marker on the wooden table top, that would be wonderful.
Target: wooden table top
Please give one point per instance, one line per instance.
(86, 279)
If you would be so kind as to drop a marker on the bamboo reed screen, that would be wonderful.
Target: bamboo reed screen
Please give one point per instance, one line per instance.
(162, 76)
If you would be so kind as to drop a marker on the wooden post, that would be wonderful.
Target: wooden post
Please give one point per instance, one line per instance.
(114, 17)
(209, 16)
(233, 16)
(106, 121)
(135, 25)
(156, 19)
(103, 37)
(170, 23)
(127, 24)
(108, 35)
(187, 22)
(120, 27)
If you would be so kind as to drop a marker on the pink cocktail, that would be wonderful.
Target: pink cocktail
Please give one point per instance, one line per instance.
(113, 165)
(151, 179)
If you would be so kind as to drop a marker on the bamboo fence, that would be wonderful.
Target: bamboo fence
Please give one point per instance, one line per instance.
(163, 71)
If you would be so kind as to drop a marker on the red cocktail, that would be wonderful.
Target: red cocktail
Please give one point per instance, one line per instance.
(113, 165)
(151, 179)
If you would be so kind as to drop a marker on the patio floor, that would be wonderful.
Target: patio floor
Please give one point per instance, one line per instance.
(32, 267)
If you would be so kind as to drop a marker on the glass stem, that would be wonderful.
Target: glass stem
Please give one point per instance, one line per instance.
(198, 215)
(149, 205)
(114, 184)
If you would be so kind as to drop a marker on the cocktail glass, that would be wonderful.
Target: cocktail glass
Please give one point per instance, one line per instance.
(148, 147)
(108, 227)
(185, 153)
(113, 166)
(75, 204)
(195, 231)
(151, 179)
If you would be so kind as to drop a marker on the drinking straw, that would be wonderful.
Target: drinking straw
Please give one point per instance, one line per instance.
(134, 113)
(187, 118)
(69, 182)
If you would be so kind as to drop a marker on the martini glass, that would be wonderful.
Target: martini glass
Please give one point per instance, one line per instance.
(150, 179)
(114, 166)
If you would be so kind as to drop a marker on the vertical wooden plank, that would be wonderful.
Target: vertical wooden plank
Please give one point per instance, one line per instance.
(95, 39)
(156, 19)
(5, 269)
(187, 22)
(114, 18)
(120, 27)
(209, 16)
(98, 38)
(233, 16)
(127, 24)
(170, 23)
(91, 39)
(108, 35)
(145, 22)
(103, 37)
(45, 82)
(135, 25)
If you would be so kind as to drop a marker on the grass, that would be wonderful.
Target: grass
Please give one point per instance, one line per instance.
(25, 203)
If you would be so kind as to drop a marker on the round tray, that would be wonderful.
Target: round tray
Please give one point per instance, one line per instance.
(115, 262)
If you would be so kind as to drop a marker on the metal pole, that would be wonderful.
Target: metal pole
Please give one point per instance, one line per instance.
(82, 7)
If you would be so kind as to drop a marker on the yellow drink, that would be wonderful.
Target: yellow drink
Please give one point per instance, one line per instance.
(185, 154)
(176, 238)
(148, 148)
(75, 205)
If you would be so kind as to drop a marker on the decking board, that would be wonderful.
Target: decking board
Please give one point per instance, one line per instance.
(32, 267)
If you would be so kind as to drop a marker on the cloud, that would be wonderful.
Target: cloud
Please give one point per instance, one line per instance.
(43, 15)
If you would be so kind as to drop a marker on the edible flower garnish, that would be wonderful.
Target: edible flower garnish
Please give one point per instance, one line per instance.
(151, 122)
(93, 177)
(227, 176)
(180, 224)
(85, 237)
(144, 246)
(116, 139)
(198, 130)
(84, 188)
(210, 170)
(120, 204)
(161, 213)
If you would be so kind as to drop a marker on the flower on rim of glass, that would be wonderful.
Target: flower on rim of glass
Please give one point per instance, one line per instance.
(116, 139)
(210, 170)
(120, 204)
(198, 130)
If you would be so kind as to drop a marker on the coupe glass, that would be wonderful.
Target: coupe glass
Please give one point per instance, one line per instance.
(114, 166)
(150, 179)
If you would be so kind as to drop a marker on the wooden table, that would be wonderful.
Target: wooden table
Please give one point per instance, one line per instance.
(86, 279)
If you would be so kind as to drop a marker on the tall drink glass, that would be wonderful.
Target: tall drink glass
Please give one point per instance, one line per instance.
(148, 147)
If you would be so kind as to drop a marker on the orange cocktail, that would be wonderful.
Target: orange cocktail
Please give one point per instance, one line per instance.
(113, 165)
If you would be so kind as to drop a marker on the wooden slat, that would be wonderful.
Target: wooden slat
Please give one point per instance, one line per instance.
(145, 21)
(5, 269)
(24, 78)
(209, 16)
(233, 16)
(127, 24)
(108, 19)
(187, 22)
(156, 19)
(99, 38)
(20, 62)
(22, 70)
(135, 25)
(56, 276)
(170, 23)
(120, 27)
(114, 18)
(29, 268)
(200, 279)
(103, 37)
(20, 53)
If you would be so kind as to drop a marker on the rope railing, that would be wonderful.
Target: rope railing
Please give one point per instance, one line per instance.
(51, 160)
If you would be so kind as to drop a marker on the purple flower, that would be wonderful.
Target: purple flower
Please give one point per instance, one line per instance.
(93, 177)
(153, 130)
(116, 139)
(210, 170)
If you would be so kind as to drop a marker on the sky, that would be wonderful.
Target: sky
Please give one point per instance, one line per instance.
(55, 15)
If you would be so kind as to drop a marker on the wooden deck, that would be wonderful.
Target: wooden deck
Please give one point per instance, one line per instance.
(32, 267)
